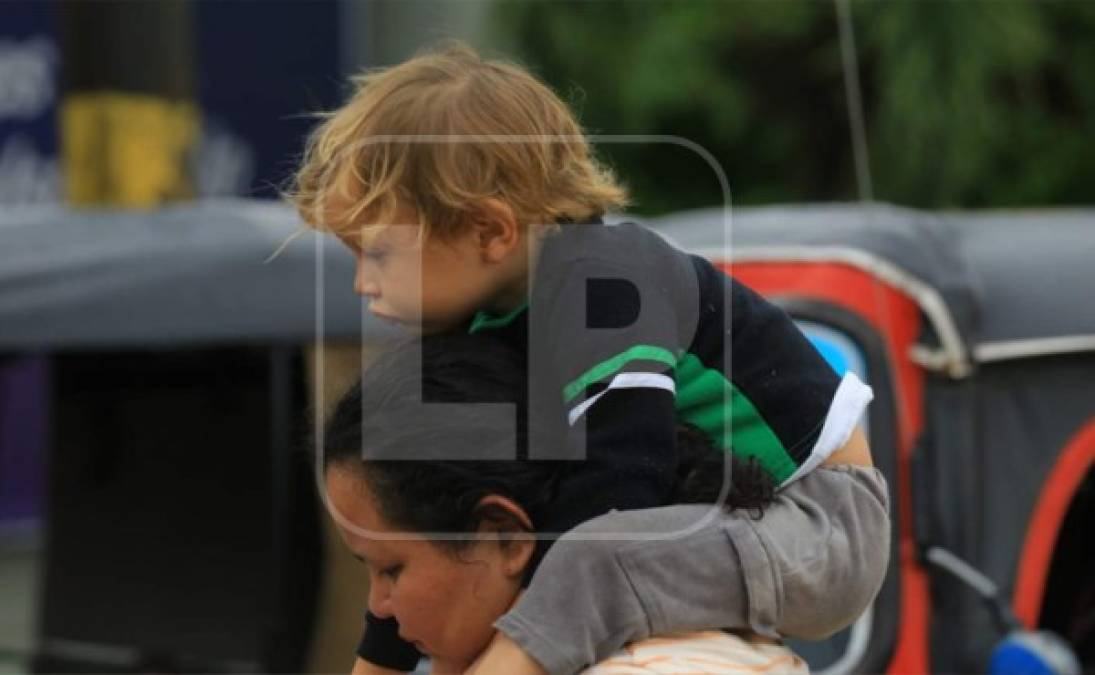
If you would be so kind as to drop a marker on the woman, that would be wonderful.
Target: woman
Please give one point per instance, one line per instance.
(449, 543)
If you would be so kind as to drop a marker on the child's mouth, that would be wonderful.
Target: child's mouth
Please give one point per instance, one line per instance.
(387, 318)
(412, 327)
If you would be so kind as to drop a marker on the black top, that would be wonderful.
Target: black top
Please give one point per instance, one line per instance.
(626, 335)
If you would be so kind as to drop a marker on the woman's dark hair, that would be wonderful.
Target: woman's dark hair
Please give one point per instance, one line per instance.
(701, 473)
(377, 427)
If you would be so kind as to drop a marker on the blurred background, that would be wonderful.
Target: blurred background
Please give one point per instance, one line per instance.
(142, 341)
(969, 104)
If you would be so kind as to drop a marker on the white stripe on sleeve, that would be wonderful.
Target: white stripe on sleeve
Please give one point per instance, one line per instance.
(625, 381)
(849, 403)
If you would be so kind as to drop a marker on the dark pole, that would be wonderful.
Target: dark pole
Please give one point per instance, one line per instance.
(128, 118)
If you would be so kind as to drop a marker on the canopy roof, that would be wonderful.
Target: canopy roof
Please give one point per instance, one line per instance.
(1008, 283)
(199, 272)
(191, 273)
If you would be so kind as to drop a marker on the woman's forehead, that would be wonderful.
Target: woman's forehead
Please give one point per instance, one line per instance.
(352, 503)
(364, 528)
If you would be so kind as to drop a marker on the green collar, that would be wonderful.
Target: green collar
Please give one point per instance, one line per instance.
(483, 321)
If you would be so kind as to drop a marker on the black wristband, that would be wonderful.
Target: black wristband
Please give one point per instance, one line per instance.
(382, 646)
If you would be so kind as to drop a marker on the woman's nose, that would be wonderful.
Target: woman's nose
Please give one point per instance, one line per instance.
(380, 598)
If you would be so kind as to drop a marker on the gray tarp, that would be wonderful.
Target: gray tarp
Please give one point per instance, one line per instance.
(184, 274)
(1034, 272)
(1004, 275)
(198, 272)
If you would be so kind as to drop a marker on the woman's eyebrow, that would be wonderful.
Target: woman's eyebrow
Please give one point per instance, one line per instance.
(364, 559)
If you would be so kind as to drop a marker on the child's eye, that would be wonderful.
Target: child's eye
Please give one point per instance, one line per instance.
(375, 255)
(391, 572)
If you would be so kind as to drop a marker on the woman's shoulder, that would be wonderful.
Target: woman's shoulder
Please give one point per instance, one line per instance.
(701, 652)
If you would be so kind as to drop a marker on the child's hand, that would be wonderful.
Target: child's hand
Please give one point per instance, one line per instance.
(856, 451)
(504, 657)
(363, 667)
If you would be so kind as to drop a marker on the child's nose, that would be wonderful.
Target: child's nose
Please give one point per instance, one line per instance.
(364, 284)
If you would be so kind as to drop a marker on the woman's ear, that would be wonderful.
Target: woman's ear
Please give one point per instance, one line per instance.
(506, 520)
(497, 232)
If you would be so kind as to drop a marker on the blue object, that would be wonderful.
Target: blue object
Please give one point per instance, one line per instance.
(1033, 653)
(836, 347)
(839, 350)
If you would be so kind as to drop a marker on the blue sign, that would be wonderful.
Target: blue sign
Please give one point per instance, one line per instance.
(29, 94)
(262, 67)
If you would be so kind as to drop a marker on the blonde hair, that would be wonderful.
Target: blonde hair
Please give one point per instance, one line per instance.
(440, 133)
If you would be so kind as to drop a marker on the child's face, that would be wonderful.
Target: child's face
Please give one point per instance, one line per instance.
(428, 285)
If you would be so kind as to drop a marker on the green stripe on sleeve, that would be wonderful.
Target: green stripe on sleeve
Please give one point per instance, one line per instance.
(613, 365)
(708, 400)
(750, 436)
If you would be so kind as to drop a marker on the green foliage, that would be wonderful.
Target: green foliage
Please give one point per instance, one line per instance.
(967, 103)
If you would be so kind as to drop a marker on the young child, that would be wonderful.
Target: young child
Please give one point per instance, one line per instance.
(472, 201)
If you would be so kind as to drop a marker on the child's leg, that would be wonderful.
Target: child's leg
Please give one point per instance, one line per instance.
(806, 569)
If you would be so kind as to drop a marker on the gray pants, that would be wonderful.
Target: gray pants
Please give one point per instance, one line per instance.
(806, 569)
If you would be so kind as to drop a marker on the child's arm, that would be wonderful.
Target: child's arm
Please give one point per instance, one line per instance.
(806, 569)
(504, 657)
(856, 452)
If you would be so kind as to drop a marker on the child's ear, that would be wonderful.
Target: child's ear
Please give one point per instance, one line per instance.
(505, 520)
(496, 229)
